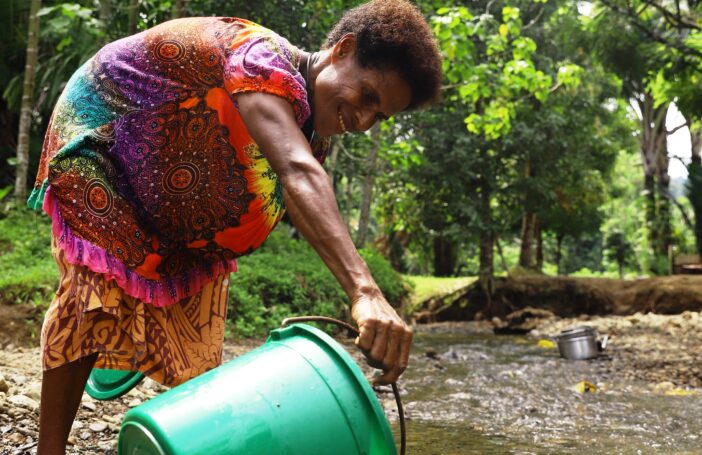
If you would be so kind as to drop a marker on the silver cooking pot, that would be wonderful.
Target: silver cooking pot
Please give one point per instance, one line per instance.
(580, 343)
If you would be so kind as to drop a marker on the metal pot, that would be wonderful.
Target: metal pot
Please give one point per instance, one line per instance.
(580, 343)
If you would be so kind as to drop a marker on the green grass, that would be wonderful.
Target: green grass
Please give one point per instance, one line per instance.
(27, 270)
(426, 287)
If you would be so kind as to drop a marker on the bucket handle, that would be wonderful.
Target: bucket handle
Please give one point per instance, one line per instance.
(353, 331)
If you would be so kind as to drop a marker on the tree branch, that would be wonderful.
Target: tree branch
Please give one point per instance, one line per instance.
(673, 131)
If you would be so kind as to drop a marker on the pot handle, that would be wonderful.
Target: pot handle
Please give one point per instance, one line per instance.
(353, 332)
(602, 345)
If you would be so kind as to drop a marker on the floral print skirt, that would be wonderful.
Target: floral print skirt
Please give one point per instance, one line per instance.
(91, 314)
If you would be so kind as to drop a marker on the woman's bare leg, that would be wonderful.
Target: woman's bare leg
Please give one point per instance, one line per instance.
(61, 391)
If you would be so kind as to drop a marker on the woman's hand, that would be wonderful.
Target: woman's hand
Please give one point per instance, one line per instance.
(384, 337)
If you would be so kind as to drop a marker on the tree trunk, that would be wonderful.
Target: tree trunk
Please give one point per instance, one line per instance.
(106, 17)
(367, 189)
(539, 245)
(663, 209)
(559, 249)
(502, 256)
(485, 274)
(694, 185)
(527, 258)
(653, 155)
(621, 269)
(178, 8)
(445, 256)
(348, 200)
(25, 124)
(330, 162)
(133, 16)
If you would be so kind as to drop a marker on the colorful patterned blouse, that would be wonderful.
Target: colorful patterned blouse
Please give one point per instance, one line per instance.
(148, 171)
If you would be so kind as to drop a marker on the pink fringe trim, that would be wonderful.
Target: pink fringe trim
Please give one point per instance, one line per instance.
(159, 293)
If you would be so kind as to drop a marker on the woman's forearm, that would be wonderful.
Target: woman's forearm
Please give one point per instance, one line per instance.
(310, 202)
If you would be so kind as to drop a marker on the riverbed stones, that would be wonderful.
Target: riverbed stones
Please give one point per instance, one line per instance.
(24, 401)
(89, 405)
(4, 386)
(98, 426)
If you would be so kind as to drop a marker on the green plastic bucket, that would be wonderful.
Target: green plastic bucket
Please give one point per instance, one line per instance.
(300, 393)
(104, 384)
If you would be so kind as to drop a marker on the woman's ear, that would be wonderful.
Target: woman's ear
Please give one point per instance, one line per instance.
(344, 47)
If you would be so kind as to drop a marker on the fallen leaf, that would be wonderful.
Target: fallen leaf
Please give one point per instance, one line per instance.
(585, 387)
(546, 344)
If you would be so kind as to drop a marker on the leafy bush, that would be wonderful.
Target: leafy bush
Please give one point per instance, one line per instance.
(27, 271)
(286, 278)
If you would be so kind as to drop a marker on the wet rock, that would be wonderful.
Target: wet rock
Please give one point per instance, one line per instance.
(98, 427)
(4, 387)
(134, 403)
(89, 405)
(431, 353)
(105, 446)
(27, 431)
(23, 401)
(17, 438)
(111, 419)
(150, 384)
(84, 435)
(33, 391)
(77, 425)
(18, 379)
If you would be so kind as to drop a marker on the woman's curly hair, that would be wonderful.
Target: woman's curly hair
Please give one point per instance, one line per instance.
(393, 34)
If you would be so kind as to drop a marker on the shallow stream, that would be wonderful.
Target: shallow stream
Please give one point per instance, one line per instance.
(477, 393)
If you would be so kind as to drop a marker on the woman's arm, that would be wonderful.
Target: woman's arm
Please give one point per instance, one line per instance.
(385, 338)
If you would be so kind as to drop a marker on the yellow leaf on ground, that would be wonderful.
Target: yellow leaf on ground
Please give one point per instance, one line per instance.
(680, 392)
(585, 387)
(546, 344)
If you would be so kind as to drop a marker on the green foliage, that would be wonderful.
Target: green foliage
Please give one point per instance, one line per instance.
(491, 63)
(27, 270)
(286, 278)
(618, 249)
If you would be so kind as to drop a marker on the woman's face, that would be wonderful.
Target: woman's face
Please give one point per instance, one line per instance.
(350, 98)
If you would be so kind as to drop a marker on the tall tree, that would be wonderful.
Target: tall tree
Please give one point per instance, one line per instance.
(493, 73)
(628, 50)
(25, 123)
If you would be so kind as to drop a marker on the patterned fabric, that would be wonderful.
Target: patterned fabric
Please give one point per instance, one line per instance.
(92, 314)
(148, 171)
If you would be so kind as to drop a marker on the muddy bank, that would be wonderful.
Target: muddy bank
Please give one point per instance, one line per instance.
(568, 297)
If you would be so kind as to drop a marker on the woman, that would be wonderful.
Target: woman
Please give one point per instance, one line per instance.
(172, 152)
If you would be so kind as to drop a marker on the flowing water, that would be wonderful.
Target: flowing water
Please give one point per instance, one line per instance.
(486, 394)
